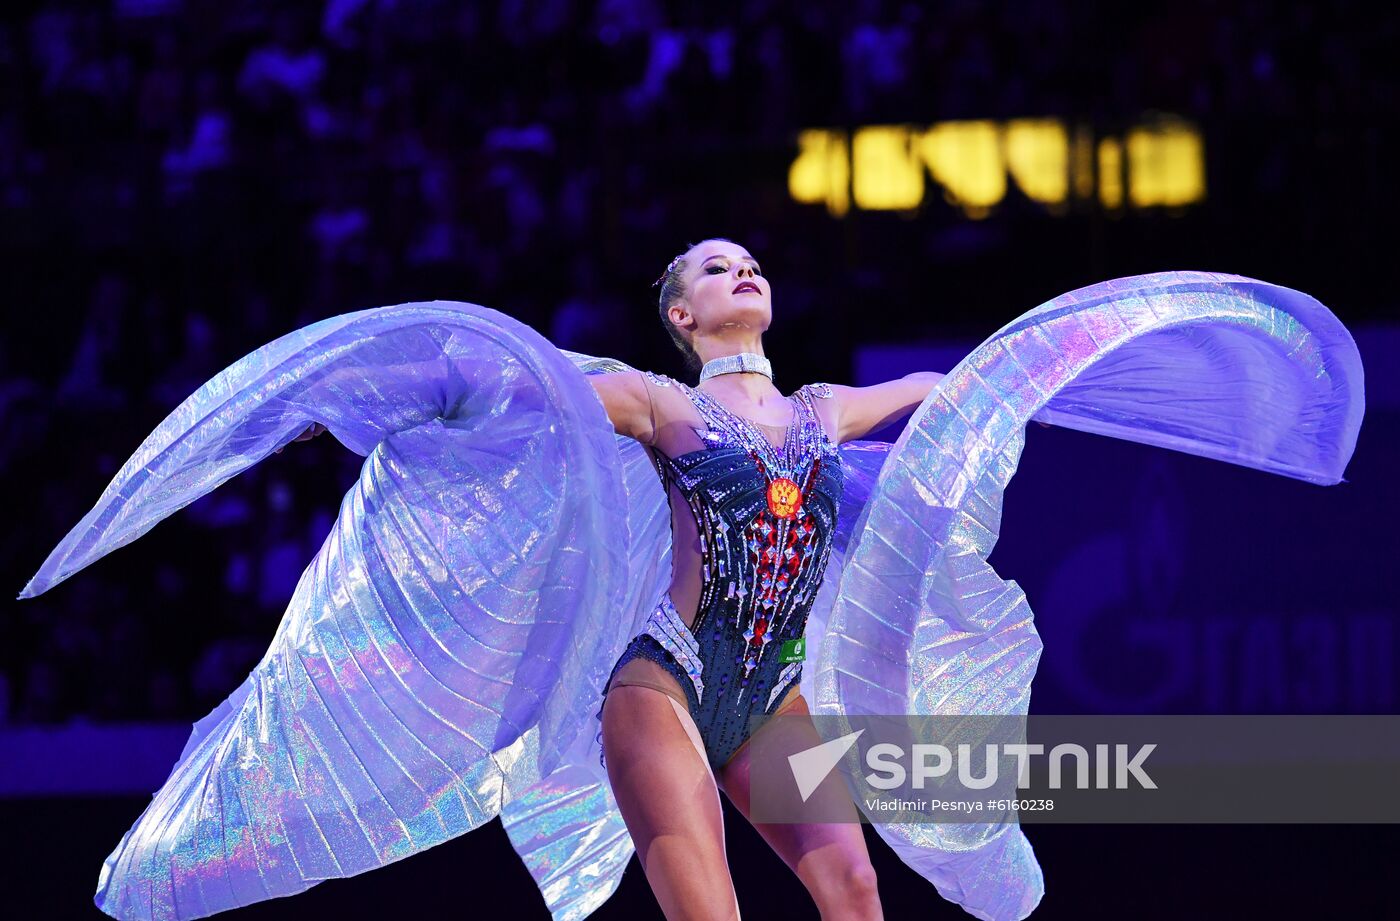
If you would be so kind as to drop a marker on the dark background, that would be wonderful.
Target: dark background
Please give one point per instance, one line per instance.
(182, 181)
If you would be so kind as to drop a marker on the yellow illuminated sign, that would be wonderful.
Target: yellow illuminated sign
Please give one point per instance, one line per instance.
(885, 175)
(1037, 156)
(1111, 173)
(1160, 163)
(965, 159)
(1166, 165)
(821, 172)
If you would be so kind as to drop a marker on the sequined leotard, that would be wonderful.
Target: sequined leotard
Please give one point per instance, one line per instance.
(766, 517)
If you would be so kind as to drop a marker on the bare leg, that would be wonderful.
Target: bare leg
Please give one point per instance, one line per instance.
(830, 858)
(668, 798)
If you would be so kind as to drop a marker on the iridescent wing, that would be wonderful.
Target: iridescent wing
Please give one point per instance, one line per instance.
(1215, 365)
(442, 650)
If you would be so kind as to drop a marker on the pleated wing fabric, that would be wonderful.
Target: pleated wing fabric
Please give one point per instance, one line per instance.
(1215, 365)
(566, 826)
(442, 648)
(442, 657)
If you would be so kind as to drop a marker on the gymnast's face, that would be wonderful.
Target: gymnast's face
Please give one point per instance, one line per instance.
(724, 288)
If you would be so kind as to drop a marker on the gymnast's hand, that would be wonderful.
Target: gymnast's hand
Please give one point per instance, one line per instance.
(315, 429)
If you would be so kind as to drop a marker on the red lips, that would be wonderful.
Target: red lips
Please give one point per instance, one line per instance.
(746, 285)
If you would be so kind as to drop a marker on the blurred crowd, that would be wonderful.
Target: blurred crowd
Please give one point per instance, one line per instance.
(184, 180)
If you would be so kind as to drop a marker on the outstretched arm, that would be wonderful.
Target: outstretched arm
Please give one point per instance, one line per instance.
(863, 410)
(868, 409)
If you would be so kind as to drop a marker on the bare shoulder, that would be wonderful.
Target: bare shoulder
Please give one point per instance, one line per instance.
(639, 402)
(618, 385)
(669, 399)
(826, 402)
(660, 380)
(624, 396)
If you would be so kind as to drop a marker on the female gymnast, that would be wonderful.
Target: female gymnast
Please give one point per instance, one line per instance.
(762, 472)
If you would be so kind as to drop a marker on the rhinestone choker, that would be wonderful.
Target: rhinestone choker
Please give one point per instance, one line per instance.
(730, 364)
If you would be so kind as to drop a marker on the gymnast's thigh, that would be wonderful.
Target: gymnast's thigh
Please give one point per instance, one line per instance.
(656, 763)
(667, 796)
(839, 844)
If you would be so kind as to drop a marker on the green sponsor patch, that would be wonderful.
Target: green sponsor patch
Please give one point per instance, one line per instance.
(794, 650)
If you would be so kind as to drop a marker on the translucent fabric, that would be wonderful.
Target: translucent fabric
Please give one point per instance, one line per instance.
(1214, 365)
(442, 656)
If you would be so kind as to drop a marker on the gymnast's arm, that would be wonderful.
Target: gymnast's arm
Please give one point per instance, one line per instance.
(862, 410)
(626, 396)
